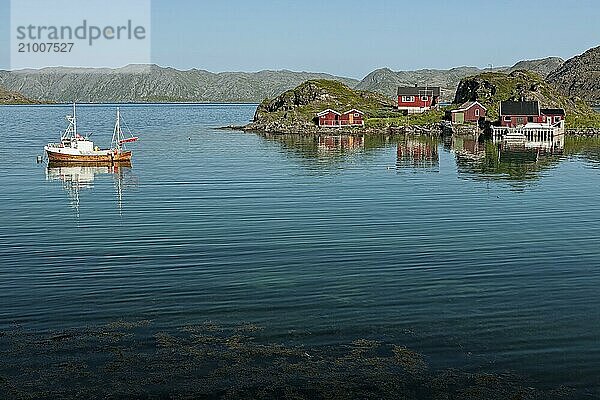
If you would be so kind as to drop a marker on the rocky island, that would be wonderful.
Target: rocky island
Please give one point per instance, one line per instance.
(295, 110)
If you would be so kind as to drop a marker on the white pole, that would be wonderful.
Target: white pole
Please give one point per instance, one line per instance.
(74, 121)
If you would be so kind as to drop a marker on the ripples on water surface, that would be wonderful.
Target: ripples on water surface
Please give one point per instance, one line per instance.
(477, 262)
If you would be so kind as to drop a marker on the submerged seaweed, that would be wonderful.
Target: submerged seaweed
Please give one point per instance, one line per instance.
(130, 360)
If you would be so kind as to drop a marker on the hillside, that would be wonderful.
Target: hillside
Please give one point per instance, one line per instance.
(295, 109)
(543, 67)
(10, 97)
(580, 76)
(133, 84)
(491, 88)
(386, 81)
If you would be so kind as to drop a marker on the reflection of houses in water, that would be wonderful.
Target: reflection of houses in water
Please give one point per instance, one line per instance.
(415, 153)
(340, 142)
(499, 158)
(76, 178)
(468, 147)
(540, 138)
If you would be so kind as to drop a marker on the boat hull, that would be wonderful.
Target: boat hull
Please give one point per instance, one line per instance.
(110, 158)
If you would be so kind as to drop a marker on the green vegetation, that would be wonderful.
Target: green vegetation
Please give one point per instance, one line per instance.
(426, 118)
(299, 106)
(8, 97)
(490, 88)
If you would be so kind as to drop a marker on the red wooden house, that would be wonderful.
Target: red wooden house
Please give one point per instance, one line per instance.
(417, 99)
(520, 113)
(352, 117)
(471, 111)
(329, 117)
(553, 116)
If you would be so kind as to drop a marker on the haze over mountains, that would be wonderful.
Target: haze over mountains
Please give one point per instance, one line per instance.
(153, 83)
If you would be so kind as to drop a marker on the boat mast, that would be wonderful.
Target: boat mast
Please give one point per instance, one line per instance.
(117, 133)
(71, 131)
(74, 121)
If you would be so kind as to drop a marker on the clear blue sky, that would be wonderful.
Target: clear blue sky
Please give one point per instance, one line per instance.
(352, 38)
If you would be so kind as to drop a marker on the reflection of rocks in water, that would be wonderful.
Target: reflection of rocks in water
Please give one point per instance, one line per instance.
(468, 147)
(417, 152)
(124, 360)
(77, 178)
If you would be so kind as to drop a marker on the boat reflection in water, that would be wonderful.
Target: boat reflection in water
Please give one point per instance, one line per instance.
(77, 178)
(416, 152)
(515, 159)
(339, 143)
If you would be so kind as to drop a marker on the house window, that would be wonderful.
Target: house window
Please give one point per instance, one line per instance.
(424, 98)
(507, 119)
(477, 112)
(529, 119)
(556, 118)
(356, 115)
(408, 99)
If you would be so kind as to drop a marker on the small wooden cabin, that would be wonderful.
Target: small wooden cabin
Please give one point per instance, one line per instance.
(352, 117)
(553, 116)
(329, 117)
(471, 111)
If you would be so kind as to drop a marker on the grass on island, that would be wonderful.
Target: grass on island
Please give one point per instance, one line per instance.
(423, 119)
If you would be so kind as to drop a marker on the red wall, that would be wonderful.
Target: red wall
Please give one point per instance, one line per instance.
(417, 103)
(470, 113)
(345, 119)
(329, 119)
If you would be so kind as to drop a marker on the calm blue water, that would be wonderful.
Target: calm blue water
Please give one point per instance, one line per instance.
(476, 263)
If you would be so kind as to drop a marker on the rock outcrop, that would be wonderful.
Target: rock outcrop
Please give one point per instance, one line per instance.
(543, 67)
(579, 76)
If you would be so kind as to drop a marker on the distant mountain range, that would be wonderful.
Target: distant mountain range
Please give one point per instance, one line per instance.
(152, 83)
(386, 81)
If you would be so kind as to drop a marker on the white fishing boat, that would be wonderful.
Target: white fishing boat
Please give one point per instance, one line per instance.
(78, 149)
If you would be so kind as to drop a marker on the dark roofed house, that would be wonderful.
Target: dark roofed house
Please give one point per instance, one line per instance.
(516, 113)
(417, 99)
(553, 116)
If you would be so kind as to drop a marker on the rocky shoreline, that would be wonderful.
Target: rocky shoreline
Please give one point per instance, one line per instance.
(439, 129)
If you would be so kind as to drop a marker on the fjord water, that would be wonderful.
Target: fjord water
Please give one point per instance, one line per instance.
(477, 265)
